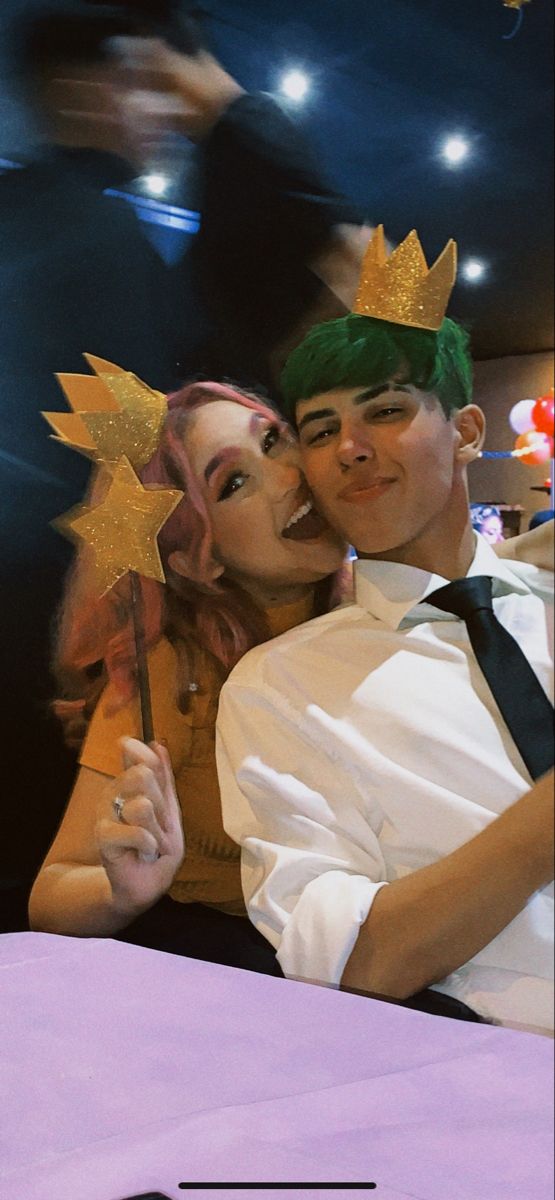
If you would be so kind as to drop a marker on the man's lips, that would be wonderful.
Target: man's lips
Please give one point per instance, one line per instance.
(363, 490)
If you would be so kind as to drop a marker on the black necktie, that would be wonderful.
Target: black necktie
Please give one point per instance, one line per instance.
(520, 697)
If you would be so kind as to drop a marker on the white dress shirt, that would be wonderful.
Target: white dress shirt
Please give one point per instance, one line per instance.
(366, 744)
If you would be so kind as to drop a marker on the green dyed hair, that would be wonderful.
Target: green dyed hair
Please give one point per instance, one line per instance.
(358, 351)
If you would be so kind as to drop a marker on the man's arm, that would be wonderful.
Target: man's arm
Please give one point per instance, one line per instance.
(276, 195)
(314, 874)
(425, 926)
(536, 547)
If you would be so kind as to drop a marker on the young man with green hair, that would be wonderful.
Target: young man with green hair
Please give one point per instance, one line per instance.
(393, 839)
(357, 350)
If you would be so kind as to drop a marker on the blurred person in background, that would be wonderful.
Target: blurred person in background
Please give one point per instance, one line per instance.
(278, 247)
(76, 273)
(487, 520)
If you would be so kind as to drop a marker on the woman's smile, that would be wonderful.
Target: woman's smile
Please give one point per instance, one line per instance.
(305, 524)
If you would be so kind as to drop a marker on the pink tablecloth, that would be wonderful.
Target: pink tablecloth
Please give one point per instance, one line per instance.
(125, 1070)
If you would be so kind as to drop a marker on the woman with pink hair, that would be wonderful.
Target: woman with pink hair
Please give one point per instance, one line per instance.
(246, 557)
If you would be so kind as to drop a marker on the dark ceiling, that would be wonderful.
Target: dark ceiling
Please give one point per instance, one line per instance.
(390, 79)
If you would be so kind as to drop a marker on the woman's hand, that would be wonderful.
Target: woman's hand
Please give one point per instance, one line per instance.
(142, 847)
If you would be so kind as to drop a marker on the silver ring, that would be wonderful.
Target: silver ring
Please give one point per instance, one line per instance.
(117, 805)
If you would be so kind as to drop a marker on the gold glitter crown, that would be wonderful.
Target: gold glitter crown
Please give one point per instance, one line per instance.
(401, 288)
(114, 414)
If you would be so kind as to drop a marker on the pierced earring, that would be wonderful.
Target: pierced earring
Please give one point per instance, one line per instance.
(192, 687)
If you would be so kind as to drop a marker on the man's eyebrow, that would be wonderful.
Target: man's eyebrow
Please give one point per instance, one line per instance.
(315, 416)
(368, 394)
(378, 390)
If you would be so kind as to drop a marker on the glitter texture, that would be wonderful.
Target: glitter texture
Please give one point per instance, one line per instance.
(400, 288)
(84, 393)
(135, 429)
(114, 414)
(122, 530)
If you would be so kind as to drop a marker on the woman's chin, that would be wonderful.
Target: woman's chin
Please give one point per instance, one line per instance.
(324, 556)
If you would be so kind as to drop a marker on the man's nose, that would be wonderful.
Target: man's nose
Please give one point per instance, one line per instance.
(354, 446)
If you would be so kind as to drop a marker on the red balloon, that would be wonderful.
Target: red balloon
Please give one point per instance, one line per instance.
(538, 446)
(543, 415)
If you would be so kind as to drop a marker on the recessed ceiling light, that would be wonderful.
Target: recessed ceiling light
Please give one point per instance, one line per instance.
(454, 150)
(294, 84)
(155, 184)
(473, 270)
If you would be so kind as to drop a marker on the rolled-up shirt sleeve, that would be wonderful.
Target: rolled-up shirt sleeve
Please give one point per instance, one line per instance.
(311, 859)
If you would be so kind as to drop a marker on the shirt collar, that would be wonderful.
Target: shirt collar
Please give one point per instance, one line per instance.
(390, 590)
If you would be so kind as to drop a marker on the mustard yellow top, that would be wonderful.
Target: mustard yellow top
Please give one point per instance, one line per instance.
(210, 872)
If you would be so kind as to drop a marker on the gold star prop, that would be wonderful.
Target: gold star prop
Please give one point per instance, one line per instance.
(114, 414)
(122, 530)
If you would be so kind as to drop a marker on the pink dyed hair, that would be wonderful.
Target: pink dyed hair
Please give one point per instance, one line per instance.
(95, 637)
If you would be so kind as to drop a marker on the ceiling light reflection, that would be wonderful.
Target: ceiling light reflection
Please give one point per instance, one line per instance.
(473, 270)
(155, 184)
(294, 84)
(455, 150)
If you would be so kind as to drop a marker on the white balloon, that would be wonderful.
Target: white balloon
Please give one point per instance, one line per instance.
(520, 416)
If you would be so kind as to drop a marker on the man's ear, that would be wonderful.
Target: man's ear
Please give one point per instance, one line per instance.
(179, 562)
(470, 424)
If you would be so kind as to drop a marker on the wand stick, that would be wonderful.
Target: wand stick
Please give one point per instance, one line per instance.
(142, 665)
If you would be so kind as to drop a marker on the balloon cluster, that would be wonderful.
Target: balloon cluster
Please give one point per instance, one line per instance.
(533, 421)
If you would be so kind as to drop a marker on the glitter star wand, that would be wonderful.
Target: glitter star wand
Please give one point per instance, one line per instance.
(116, 421)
